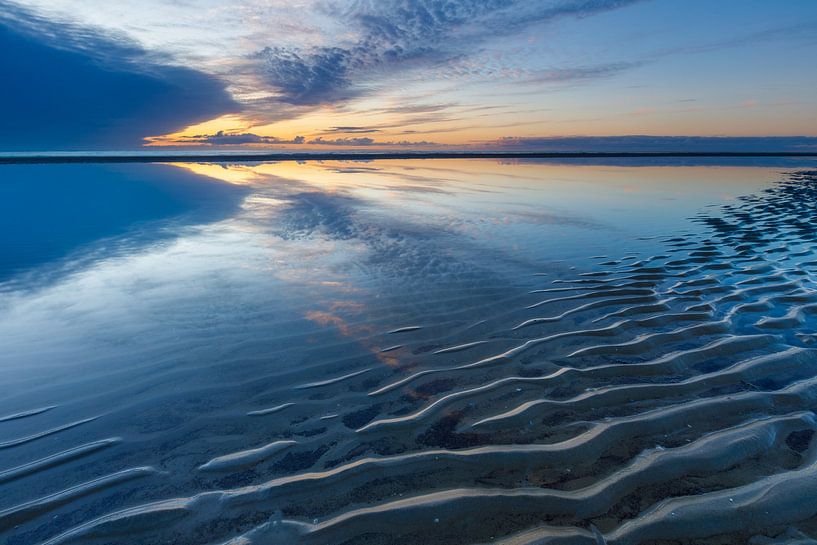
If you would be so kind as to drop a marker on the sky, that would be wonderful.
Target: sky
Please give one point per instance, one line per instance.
(550, 75)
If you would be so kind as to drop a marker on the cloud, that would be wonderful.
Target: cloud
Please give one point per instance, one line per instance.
(350, 130)
(394, 36)
(804, 32)
(222, 138)
(645, 143)
(366, 141)
(417, 108)
(580, 73)
(68, 86)
(308, 79)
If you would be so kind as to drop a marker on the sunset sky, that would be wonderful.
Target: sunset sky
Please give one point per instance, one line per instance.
(403, 74)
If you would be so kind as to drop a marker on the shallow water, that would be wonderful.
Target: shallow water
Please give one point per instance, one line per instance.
(435, 351)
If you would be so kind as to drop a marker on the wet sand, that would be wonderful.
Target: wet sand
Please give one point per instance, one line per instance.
(644, 398)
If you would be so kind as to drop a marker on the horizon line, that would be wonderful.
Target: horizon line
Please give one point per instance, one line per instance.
(218, 157)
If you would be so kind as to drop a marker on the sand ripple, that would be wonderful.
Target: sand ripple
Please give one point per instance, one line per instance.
(667, 398)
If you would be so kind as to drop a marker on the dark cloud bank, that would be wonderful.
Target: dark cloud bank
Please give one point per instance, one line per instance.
(237, 139)
(67, 86)
(222, 138)
(638, 143)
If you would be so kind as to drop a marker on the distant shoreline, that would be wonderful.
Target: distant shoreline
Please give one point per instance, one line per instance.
(46, 158)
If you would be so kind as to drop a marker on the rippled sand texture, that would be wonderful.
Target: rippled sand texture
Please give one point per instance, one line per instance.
(657, 399)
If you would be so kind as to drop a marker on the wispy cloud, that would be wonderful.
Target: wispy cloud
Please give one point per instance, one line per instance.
(804, 32)
(394, 36)
(350, 130)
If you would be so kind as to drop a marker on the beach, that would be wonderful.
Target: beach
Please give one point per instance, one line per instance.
(516, 351)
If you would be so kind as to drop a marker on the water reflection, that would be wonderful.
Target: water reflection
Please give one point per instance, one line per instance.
(51, 211)
(390, 333)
